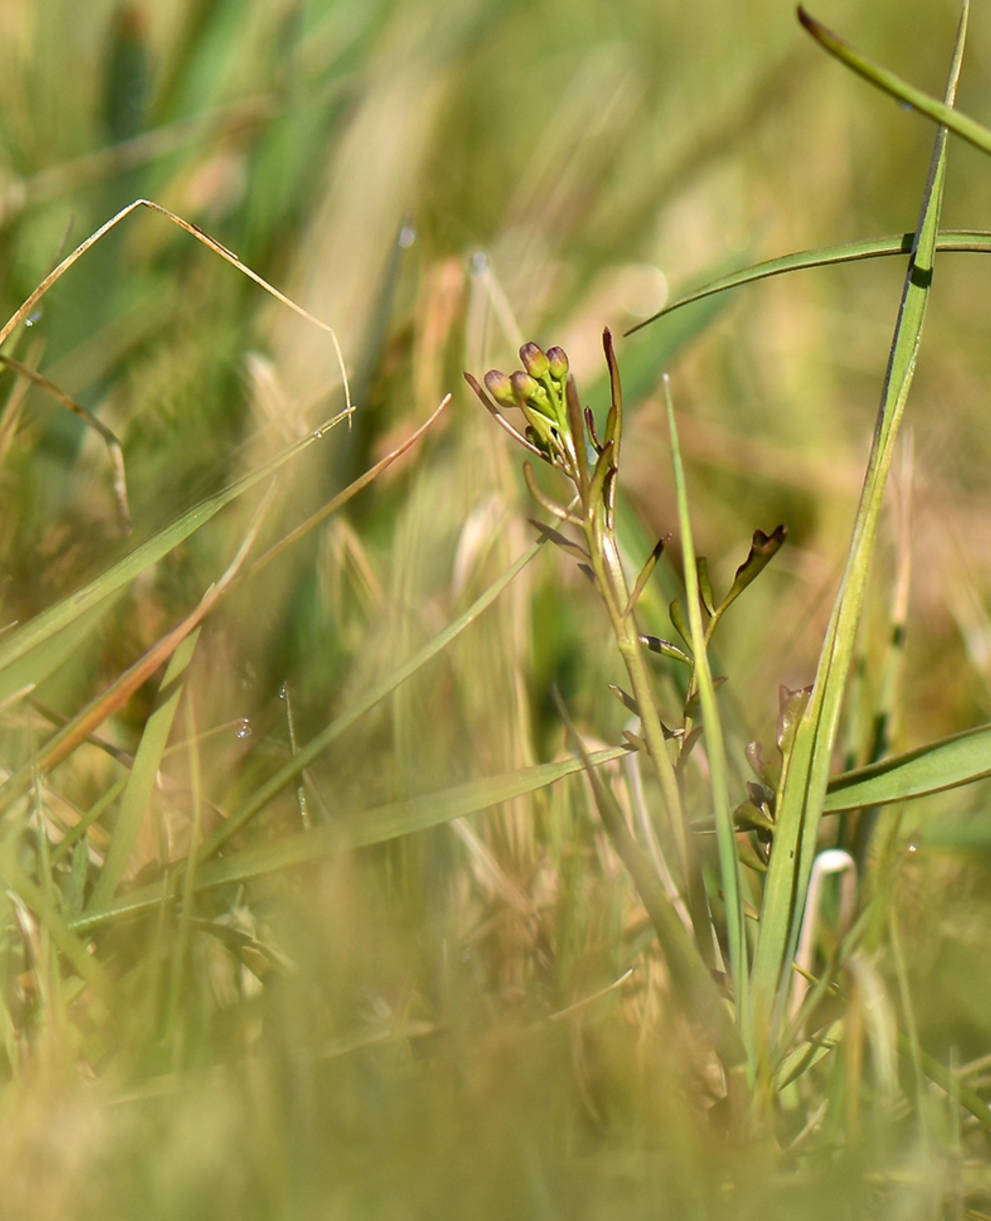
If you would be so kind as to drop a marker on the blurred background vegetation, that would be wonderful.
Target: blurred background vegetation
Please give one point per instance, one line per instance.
(438, 183)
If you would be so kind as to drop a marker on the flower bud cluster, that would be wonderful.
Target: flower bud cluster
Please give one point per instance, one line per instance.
(538, 390)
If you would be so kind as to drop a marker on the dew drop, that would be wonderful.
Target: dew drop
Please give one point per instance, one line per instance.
(479, 263)
(318, 434)
(912, 847)
(33, 317)
(407, 236)
(282, 692)
(244, 729)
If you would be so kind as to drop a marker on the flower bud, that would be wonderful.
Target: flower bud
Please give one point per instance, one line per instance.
(557, 363)
(500, 387)
(525, 387)
(534, 360)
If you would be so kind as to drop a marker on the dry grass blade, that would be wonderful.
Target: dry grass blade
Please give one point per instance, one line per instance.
(25, 309)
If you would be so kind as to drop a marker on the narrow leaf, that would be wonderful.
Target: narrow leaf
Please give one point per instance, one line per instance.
(946, 764)
(643, 576)
(144, 772)
(548, 534)
(942, 112)
(678, 621)
(763, 548)
(665, 648)
(971, 241)
(729, 864)
(360, 829)
(806, 770)
(705, 584)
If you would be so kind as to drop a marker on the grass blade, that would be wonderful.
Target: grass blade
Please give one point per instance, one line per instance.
(729, 864)
(39, 631)
(806, 770)
(960, 241)
(141, 780)
(946, 764)
(61, 744)
(942, 112)
(290, 770)
(374, 826)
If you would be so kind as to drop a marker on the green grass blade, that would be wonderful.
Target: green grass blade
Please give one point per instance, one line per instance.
(949, 241)
(729, 864)
(806, 769)
(34, 665)
(942, 112)
(39, 631)
(946, 764)
(290, 770)
(141, 781)
(374, 826)
(65, 938)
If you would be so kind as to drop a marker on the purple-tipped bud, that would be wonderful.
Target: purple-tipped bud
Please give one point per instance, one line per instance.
(534, 360)
(500, 387)
(557, 363)
(524, 386)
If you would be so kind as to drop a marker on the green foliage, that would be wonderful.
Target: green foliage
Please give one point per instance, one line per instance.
(364, 855)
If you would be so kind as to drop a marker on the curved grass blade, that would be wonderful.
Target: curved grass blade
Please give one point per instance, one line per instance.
(374, 826)
(24, 310)
(960, 241)
(941, 112)
(806, 769)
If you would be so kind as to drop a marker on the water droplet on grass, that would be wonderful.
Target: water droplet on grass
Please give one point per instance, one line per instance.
(244, 729)
(33, 317)
(407, 236)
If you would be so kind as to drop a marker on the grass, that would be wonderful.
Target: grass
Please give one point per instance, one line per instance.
(336, 878)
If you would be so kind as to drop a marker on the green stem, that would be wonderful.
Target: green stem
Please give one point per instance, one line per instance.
(612, 584)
